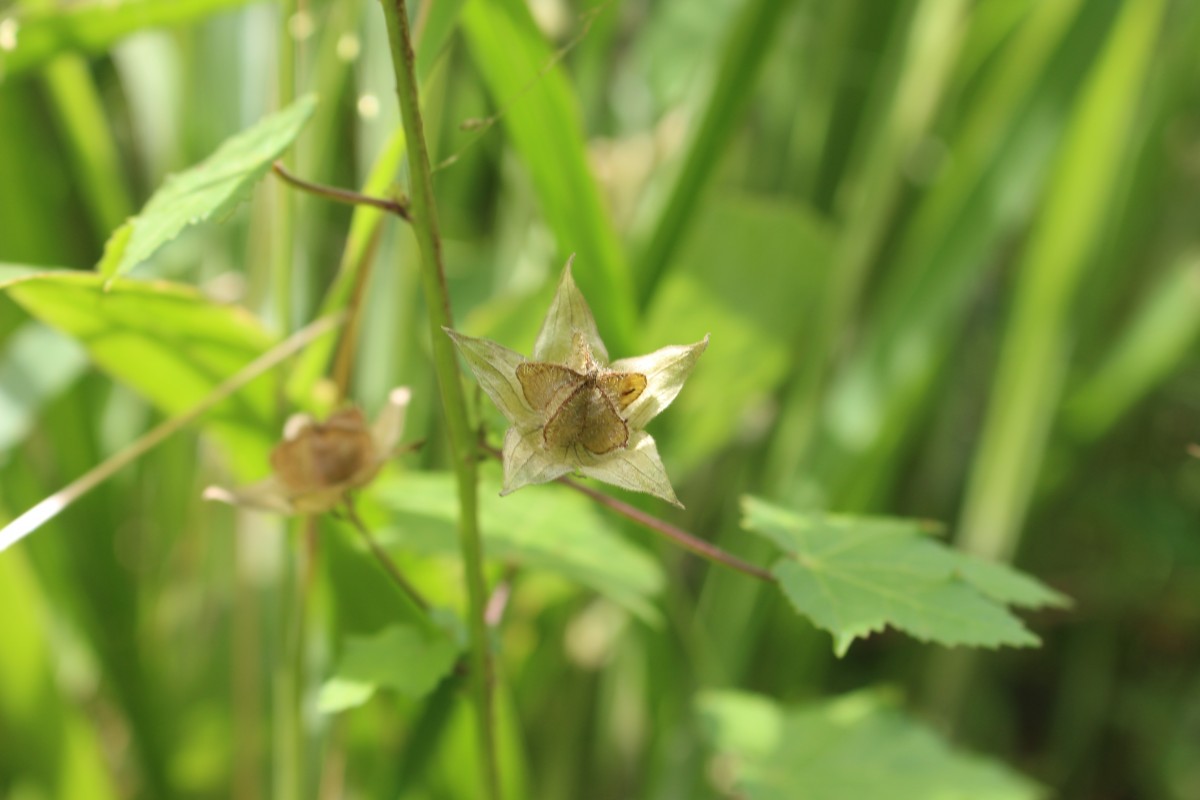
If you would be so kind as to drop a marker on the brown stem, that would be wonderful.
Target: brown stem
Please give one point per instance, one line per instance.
(341, 195)
(343, 359)
(681, 537)
(384, 559)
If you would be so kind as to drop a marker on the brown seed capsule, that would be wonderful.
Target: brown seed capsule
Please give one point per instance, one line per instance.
(322, 455)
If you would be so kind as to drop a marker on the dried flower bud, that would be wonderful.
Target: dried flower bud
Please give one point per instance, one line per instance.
(317, 463)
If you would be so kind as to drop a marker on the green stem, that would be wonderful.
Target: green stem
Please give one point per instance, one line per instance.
(383, 558)
(283, 249)
(462, 438)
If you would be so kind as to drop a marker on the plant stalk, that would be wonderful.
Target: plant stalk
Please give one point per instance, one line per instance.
(462, 438)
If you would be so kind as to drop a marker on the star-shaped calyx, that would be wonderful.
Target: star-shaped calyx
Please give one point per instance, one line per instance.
(572, 411)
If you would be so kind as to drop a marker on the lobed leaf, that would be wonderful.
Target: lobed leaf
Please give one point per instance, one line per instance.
(858, 745)
(401, 657)
(853, 576)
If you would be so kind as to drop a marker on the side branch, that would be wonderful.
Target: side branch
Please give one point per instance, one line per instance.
(338, 195)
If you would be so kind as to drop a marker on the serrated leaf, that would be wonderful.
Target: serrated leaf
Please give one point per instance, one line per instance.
(207, 189)
(856, 746)
(401, 657)
(852, 576)
(543, 527)
(168, 342)
(1004, 584)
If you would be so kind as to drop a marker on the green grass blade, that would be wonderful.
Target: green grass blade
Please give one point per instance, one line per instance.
(1036, 345)
(1158, 338)
(748, 45)
(542, 121)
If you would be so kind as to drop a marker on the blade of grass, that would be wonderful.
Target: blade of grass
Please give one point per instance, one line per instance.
(542, 121)
(1037, 342)
(1159, 336)
(747, 47)
(1000, 154)
(927, 52)
(1036, 349)
(56, 751)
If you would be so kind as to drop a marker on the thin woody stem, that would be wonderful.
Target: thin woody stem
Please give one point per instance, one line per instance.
(384, 559)
(687, 541)
(681, 537)
(339, 195)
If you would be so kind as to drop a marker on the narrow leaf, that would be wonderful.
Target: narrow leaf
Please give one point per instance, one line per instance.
(543, 123)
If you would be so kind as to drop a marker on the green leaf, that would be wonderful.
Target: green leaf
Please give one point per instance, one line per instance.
(36, 364)
(543, 123)
(401, 657)
(853, 576)
(166, 341)
(207, 189)
(542, 527)
(41, 34)
(858, 745)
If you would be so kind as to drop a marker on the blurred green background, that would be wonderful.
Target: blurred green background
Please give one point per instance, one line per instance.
(949, 257)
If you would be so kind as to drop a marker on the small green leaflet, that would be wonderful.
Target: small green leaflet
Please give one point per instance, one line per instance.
(206, 190)
(399, 657)
(858, 745)
(853, 576)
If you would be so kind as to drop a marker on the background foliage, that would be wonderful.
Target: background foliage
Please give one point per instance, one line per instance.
(947, 252)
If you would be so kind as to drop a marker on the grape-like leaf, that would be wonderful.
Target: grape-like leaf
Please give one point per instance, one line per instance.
(400, 657)
(853, 576)
(859, 745)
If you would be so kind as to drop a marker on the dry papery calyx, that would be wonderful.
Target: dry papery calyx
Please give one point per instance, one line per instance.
(318, 463)
(571, 410)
